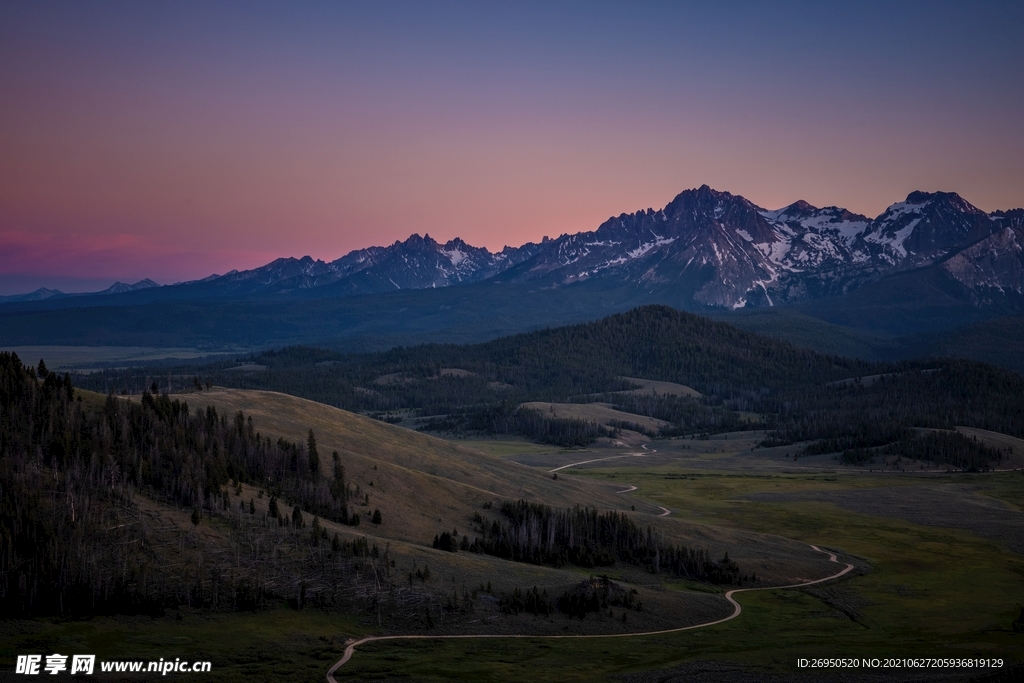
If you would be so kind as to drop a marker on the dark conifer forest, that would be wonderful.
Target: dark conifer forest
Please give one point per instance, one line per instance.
(585, 537)
(74, 540)
(77, 538)
(746, 381)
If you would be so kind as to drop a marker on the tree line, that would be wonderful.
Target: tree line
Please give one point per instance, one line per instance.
(799, 395)
(74, 540)
(594, 595)
(940, 447)
(562, 364)
(586, 537)
(856, 417)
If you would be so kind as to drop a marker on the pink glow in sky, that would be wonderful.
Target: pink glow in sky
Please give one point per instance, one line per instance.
(173, 142)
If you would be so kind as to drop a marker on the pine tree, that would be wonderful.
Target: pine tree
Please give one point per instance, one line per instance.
(314, 457)
(338, 489)
(297, 517)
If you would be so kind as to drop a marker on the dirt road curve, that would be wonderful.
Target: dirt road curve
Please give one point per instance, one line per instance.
(611, 457)
(665, 512)
(352, 645)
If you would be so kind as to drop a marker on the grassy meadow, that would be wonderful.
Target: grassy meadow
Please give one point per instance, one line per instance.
(944, 585)
(927, 591)
(919, 590)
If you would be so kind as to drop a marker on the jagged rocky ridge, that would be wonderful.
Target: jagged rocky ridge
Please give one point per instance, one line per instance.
(727, 252)
(716, 248)
(417, 263)
(709, 249)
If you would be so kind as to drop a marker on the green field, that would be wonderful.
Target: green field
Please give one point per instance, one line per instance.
(939, 560)
(919, 590)
(929, 591)
(281, 644)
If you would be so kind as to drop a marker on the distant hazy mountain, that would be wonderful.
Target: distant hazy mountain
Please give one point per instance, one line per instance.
(417, 263)
(43, 293)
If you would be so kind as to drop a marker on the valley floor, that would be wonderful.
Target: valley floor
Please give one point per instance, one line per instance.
(939, 566)
(927, 585)
(940, 571)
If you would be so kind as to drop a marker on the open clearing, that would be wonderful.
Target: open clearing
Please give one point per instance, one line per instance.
(736, 611)
(649, 387)
(947, 504)
(600, 413)
(424, 485)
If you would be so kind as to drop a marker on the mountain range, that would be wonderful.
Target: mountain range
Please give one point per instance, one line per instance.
(720, 248)
(929, 263)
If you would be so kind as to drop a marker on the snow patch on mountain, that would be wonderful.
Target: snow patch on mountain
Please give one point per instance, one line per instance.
(715, 248)
(455, 256)
(647, 246)
(996, 262)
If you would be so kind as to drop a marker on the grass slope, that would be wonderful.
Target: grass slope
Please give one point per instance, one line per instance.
(601, 413)
(412, 473)
(930, 592)
(921, 589)
(424, 485)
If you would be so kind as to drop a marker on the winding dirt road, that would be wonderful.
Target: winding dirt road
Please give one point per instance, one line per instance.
(610, 457)
(665, 511)
(737, 609)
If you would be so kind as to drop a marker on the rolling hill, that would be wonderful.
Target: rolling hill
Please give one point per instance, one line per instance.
(149, 504)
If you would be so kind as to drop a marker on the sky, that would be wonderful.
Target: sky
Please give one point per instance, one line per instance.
(176, 140)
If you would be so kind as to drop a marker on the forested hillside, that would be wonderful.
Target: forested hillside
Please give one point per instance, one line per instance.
(651, 341)
(113, 506)
(585, 537)
(744, 380)
(885, 411)
(73, 538)
(479, 387)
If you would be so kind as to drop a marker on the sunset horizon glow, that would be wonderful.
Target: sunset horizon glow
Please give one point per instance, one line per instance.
(173, 142)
